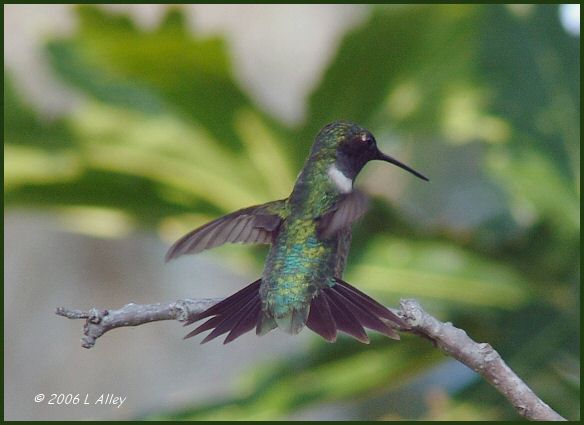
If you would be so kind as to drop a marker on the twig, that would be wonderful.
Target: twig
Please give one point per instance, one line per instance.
(100, 321)
(480, 357)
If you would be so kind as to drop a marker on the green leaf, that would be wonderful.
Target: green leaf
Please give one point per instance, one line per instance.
(537, 189)
(22, 126)
(34, 151)
(533, 69)
(167, 138)
(388, 55)
(345, 373)
(369, 59)
(437, 271)
(165, 69)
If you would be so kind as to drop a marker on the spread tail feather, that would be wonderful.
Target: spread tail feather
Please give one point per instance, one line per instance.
(236, 314)
(343, 307)
(340, 307)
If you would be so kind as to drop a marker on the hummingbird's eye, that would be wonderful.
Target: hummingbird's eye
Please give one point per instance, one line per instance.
(366, 138)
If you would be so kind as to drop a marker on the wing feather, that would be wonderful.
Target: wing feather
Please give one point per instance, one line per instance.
(348, 210)
(250, 225)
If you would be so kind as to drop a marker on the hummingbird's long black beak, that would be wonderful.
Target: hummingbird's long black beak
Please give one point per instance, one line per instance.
(387, 158)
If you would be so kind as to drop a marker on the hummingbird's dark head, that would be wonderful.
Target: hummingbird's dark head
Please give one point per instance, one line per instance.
(354, 147)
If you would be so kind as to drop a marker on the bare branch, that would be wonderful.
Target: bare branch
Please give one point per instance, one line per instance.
(100, 321)
(480, 357)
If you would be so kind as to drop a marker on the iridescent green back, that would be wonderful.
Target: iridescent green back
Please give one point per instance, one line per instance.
(299, 263)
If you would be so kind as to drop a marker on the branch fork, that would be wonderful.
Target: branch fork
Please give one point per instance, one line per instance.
(480, 357)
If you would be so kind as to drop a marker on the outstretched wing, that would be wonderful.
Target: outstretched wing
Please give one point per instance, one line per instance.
(255, 224)
(348, 210)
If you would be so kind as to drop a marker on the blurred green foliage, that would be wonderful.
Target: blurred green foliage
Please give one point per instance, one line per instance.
(483, 99)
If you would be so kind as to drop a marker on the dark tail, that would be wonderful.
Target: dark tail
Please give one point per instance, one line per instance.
(236, 314)
(343, 307)
(338, 308)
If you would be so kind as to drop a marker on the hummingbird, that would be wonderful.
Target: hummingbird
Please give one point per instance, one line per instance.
(309, 234)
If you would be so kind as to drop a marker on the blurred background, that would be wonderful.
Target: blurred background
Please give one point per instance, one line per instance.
(127, 126)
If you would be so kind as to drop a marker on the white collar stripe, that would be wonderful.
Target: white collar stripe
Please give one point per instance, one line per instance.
(342, 182)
